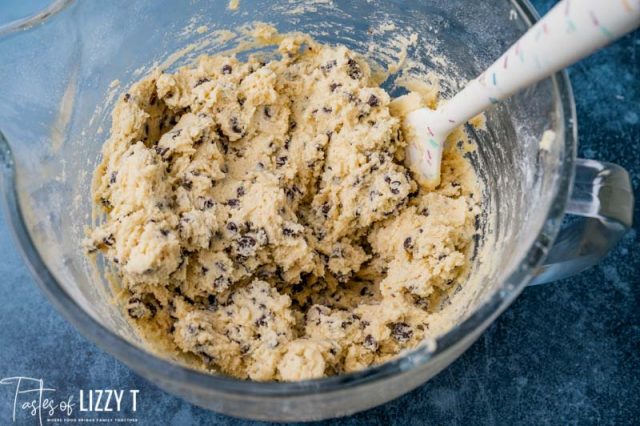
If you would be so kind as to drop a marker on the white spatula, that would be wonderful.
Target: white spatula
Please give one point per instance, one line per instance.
(572, 30)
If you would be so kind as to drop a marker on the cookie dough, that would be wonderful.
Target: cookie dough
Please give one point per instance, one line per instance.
(262, 224)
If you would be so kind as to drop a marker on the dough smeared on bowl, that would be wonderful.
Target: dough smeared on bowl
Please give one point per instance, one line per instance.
(261, 221)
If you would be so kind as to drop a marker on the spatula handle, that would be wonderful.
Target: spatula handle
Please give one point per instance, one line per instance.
(570, 31)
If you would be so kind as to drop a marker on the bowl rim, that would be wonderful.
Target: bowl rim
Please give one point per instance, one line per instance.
(36, 18)
(150, 365)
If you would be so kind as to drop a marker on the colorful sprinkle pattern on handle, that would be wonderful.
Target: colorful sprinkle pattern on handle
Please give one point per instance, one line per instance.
(570, 31)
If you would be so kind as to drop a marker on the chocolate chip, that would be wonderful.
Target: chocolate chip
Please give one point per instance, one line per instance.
(353, 69)
(261, 322)
(246, 242)
(327, 109)
(288, 232)
(365, 291)
(235, 126)
(370, 343)
(373, 101)
(408, 244)
(328, 66)
(334, 86)
(234, 202)
(201, 81)
(208, 203)
(164, 232)
(109, 240)
(226, 69)
(161, 151)
(291, 192)
(232, 227)
(345, 324)
(127, 97)
(325, 208)
(113, 177)
(281, 161)
(424, 212)
(267, 111)
(401, 331)
(176, 133)
(395, 184)
(186, 184)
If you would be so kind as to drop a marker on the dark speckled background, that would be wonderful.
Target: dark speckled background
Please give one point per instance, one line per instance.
(565, 353)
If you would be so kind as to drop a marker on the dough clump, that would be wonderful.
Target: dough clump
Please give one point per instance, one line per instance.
(261, 222)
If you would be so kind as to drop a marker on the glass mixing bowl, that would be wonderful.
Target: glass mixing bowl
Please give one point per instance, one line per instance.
(57, 69)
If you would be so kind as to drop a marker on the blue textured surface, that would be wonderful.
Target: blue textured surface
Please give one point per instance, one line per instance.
(567, 353)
